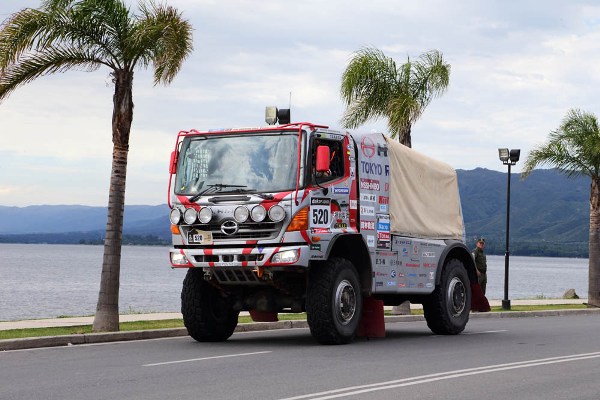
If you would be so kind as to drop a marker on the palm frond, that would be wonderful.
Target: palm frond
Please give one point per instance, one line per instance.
(163, 38)
(573, 148)
(54, 59)
(368, 83)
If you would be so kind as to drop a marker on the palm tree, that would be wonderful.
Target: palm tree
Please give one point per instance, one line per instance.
(89, 34)
(574, 148)
(373, 86)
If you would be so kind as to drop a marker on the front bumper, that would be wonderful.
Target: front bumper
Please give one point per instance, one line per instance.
(256, 256)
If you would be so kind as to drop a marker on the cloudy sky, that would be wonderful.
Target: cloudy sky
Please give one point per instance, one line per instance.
(517, 68)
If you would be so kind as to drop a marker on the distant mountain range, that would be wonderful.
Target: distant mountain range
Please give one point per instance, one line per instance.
(549, 216)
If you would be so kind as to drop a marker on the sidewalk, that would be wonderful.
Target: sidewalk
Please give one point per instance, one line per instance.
(75, 321)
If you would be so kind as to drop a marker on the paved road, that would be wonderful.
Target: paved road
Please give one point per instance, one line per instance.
(496, 358)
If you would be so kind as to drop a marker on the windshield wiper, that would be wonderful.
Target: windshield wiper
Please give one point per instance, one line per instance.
(217, 187)
(252, 191)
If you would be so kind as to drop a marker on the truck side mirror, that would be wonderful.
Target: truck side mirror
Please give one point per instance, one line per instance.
(173, 162)
(323, 159)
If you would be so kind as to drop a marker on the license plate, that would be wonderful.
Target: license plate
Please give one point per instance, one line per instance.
(200, 237)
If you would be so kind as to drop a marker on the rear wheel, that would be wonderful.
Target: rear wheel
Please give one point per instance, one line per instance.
(207, 314)
(447, 308)
(334, 301)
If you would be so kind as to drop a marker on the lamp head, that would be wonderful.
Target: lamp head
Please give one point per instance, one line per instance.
(503, 154)
(514, 155)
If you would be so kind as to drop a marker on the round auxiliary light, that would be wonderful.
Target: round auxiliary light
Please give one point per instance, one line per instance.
(241, 214)
(276, 213)
(175, 216)
(258, 213)
(205, 215)
(189, 216)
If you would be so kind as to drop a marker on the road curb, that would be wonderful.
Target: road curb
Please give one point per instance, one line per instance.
(91, 338)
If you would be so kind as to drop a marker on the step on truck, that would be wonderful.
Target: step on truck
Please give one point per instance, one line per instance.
(297, 217)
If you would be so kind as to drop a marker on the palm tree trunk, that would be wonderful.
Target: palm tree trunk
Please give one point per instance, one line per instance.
(406, 137)
(107, 310)
(594, 245)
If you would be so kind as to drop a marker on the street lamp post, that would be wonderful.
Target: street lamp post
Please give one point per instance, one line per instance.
(509, 158)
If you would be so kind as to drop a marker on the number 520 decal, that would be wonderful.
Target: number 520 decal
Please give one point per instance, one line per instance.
(320, 211)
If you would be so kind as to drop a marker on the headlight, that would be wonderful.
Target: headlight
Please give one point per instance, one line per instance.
(286, 257)
(276, 213)
(178, 259)
(258, 214)
(175, 216)
(189, 216)
(205, 215)
(241, 214)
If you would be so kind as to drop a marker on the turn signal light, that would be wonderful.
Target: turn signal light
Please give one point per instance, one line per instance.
(175, 230)
(299, 222)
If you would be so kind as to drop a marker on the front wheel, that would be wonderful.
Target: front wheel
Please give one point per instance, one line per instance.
(447, 307)
(207, 314)
(334, 301)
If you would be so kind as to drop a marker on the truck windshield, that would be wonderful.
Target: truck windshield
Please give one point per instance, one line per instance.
(251, 163)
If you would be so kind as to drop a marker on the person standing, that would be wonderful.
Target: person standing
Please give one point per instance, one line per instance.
(481, 263)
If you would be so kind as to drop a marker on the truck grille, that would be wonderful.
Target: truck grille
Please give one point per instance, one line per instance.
(246, 230)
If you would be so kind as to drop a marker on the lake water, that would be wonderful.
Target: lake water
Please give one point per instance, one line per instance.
(44, 281)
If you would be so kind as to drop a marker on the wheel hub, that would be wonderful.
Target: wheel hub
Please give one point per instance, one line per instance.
(345, 301)
(457, 296)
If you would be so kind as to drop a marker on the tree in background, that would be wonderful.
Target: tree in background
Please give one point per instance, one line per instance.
(574, 148)
(89, 34)
(373, 86)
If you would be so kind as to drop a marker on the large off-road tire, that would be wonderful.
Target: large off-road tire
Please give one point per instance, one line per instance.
(447, 308)
(207, 314)
(333, 301)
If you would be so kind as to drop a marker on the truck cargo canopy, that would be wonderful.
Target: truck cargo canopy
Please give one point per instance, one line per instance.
(424, 198)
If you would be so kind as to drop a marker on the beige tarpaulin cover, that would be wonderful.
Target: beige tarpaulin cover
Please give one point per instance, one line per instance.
(424, 199)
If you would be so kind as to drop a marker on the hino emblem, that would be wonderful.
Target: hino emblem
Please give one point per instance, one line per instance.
(229, 227)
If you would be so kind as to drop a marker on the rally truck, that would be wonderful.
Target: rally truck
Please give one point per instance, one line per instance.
(297, 217)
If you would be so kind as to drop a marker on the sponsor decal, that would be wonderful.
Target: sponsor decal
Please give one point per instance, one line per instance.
(404, 252)
(334, 136)
(316, 247)
(428, 254)
(420, 285)
(320, 230)
(353, 204)
(431, 275)
(367, 147)
(340, 215)
(367, 210)
(380, 261)
(393, 273)
(391, 283)
(369, 184)
(383, 236)
(340, 225)
(422, 275)
(383, 208)
(378, 284)
(412, 265)
(379, 273)
(341, 190)
(383, 224)
(367, 225)
(352, 174)
(415, 250)
(382, 150)
(372, 168)
(402, 284)
(384, 200)
(429, 265)
(368, 197)
(370, 241)
(396, 263)
(429, 285)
